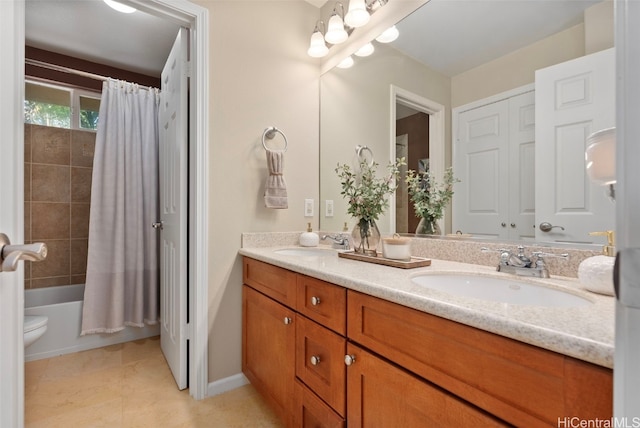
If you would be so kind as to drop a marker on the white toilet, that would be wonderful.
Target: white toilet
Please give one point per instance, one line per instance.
(34, 328)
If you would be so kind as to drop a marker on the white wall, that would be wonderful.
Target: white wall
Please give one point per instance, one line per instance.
(260, 76)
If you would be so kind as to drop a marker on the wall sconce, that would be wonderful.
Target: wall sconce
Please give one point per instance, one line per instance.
(335, 28)
(317, 47)
(358, 15)
(346, 63)
(365, 50)
(600, 157)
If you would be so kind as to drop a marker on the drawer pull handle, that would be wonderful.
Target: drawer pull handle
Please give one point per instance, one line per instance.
(287, 320)
(315, 360)
(315, 301)
(349, 359)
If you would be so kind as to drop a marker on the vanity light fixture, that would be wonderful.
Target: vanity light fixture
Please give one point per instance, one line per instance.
(346, 63)
(600, 157)
(358, 15)
(388, 35)
(317, 47)
(120, 7)
(365, 50)
(335, 28)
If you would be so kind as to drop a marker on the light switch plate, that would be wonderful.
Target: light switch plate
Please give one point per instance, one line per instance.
(308, 207)
(328, 208)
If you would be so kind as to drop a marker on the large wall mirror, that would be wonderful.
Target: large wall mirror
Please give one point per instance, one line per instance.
(453, 57)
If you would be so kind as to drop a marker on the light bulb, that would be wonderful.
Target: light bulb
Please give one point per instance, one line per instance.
(366, 50)
(317, 46)
(346, 63)
(120, 7)
(335, 30)
(388, 35)
(357, 16)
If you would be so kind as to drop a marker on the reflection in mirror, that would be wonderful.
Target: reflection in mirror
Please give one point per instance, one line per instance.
(452, 54)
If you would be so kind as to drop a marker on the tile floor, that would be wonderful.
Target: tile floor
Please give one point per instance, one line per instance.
(129, 385)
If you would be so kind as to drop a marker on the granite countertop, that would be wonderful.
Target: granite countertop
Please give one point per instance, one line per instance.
(584, 332)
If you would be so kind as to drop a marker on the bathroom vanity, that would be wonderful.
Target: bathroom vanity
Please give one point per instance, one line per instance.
(334, 342)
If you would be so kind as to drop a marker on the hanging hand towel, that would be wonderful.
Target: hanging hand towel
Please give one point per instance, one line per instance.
(275, 191)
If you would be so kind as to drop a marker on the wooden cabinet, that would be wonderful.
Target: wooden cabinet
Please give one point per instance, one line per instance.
(411, 368)
(519, 383)
(268, 349)
(383, 395)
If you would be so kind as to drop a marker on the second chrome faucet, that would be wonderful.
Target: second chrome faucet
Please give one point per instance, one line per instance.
(519, 264)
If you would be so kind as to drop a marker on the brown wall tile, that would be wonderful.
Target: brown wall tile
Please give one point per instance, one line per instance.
(78, 279)
(50, 281)
(27, 222)
(27, 181)
(79, 256)
(81, 184)
(50, 221)
(50, 183)
(27, 143)
(80, 220)
(82, 148)
(50, 145)
(57, 262)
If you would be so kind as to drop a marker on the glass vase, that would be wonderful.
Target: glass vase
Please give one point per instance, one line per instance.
(366, 237)
(428, 226)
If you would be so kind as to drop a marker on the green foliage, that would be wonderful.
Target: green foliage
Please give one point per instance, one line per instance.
(366, 193)
(429, 198)
(47, 114)
(88, 119)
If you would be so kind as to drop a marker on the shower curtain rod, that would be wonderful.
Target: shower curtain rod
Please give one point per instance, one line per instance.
(60, 68)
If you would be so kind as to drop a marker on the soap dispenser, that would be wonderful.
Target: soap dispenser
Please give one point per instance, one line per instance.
(596, 273)
(309, 238)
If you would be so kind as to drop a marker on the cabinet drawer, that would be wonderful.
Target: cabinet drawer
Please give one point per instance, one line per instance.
(323, 302)
(320, 362)
(311, 412)
(519, 383)
(382, 395)
(275, 282)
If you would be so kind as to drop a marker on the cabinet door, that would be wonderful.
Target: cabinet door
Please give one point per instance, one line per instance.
(320, 362)
(268, 350)
(311, 412)
(383, 395)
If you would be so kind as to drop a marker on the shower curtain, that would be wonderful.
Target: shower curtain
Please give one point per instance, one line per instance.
(122, 264)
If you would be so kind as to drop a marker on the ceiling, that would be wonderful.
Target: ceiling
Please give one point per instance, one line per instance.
(91, 30)
(480, 30)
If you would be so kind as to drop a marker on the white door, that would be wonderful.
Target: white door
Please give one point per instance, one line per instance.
(481, 164)
(522, 147)
(573, 100)
(11, 211)
(173, 123)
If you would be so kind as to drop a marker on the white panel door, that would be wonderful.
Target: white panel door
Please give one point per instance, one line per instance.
(522, 146)
(573, 99)
(11, 211)
(481, 164)
(173, 124)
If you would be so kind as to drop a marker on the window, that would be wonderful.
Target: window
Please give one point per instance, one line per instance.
(60, 107)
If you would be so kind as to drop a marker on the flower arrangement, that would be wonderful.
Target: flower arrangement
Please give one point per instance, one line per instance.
(366, 193)
(430, 198)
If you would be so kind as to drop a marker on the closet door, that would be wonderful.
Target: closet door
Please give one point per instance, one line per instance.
(480, 203)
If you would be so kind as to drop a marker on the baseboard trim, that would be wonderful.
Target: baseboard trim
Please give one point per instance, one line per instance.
(227, 384)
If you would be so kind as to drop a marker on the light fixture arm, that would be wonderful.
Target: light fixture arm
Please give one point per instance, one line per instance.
(335, 11)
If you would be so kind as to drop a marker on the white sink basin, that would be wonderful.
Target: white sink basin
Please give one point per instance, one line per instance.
(305, 252)
(503, 290)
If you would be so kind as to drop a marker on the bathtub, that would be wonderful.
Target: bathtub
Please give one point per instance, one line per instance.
(63, 306)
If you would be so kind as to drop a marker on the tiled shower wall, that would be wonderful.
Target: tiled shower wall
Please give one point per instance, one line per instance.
(58, 167)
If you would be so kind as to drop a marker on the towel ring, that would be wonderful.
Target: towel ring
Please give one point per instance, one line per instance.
(360, 149)
(269, 133)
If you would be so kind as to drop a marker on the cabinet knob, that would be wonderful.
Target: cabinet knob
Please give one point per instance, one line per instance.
(513, 225)
(287, 320)
(315, 301)
(349, 359)
(503, 224)
(315, 360)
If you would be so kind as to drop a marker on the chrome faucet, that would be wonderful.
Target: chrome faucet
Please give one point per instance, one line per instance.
(339, 241)
(519, 264)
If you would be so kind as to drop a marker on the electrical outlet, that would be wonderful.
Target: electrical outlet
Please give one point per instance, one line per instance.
(308, 207)
(328, 208)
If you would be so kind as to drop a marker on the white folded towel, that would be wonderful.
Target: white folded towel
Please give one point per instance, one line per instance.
(275, 191)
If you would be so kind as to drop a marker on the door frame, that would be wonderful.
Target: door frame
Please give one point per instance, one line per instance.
(436, 112)
(196, 18)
